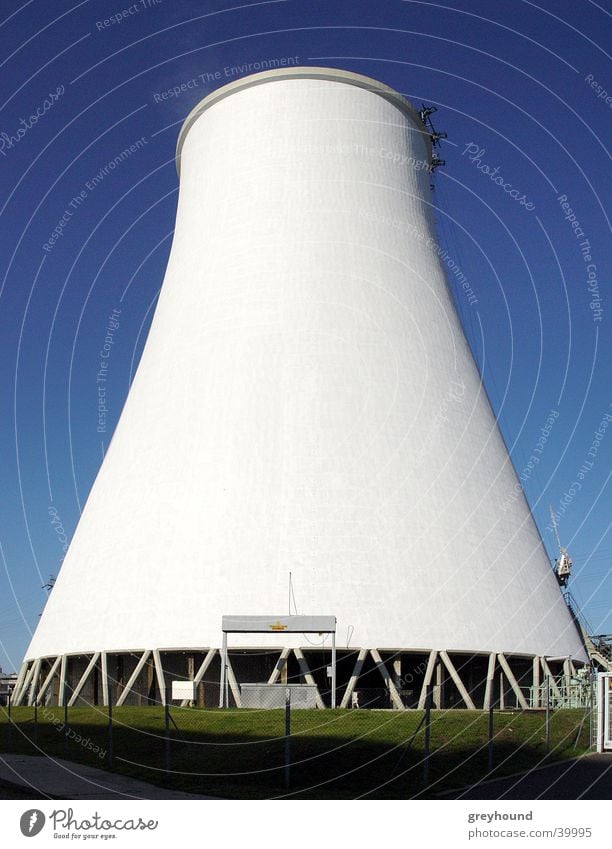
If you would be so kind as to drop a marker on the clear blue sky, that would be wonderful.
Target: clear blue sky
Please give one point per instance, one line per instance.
(515, 84)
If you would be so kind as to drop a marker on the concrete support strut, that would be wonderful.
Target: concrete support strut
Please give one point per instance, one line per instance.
(22, 686)
(47, 682)
(26, 683)
(132, 679)
(34, 681)
(567, 676)
(62, 682)
(19, 682)
(488, 696)
(159, 675)
(105, 690)
(201, 672)
(83, 679)
(535, 682)
(431, 665)
(551, 680)
(396, 699)
(37, 678)
(233, 683)
(279, 666)
(350, 687)
(457, 681)
(308, 676)
(513, 682)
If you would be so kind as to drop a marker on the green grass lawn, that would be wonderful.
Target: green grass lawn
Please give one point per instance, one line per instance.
(334, 753)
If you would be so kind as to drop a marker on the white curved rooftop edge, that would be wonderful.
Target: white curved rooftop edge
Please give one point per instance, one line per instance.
(332, 75)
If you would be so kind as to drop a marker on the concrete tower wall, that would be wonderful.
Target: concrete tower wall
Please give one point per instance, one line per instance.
(306, 402)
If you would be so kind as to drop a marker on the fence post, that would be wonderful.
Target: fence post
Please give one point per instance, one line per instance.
(36, 721)
(428, 700)
(110, 730)
(490, 743)
(65, 701)
(591, 729)
(287, 737)
(10, 721)
(167, 739)
(547, 714)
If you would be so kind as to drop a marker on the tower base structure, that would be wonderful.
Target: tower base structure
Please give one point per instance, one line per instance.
(400, 679)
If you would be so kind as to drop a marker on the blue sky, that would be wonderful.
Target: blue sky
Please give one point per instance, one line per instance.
(519, 86)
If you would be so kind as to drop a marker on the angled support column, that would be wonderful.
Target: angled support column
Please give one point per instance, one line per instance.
(223, 697)
(350, 687)
(308, 676)
(34, 681)
(45, 685)
(201, 671)
(551, 679)
(457, 681)
(19, 682)
(333, 675)
(159, 676)
(104, 665)
(536, 681)
(431, 665)
(513, 682)
(132, 679)
(83, 679)
(488, 696)
(62, 681)
(438, 686)
(567, 679)
(26, 683)
(396, 699)
(280, 664)
(233, 683)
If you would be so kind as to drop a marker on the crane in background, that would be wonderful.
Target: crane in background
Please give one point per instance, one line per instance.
(599, 646)
(563, 566)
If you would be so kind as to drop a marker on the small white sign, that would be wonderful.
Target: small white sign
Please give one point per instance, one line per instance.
(183, 690)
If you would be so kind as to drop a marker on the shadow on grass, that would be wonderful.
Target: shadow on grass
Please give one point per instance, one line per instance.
(334, 754)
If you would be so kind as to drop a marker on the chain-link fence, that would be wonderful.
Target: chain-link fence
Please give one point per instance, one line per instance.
(271, 752)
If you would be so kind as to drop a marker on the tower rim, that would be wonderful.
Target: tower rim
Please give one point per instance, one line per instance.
(303, 72)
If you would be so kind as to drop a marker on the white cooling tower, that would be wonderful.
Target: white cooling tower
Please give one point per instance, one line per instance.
(306, 402)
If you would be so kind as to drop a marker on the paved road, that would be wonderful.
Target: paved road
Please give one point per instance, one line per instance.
(29, 777)
(587, 777)
(35, 777)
